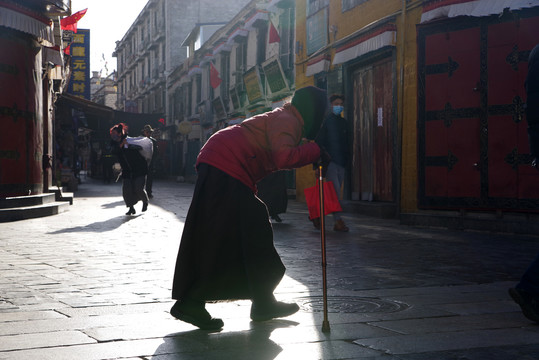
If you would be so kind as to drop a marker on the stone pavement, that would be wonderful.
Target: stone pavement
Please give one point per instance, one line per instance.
(92, 283)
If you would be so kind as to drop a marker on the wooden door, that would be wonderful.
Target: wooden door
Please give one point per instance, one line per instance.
(373, 140)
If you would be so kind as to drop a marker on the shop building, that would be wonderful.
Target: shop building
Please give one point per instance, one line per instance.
(32, 73)
(244, 68)
(434, 99)
(104, 90)
(151, 51)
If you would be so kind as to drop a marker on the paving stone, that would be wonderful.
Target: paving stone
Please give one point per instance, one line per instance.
(421, 343)
(112, 350)
(41, 340)
(454, 323)
(394, 292)
(29, 315)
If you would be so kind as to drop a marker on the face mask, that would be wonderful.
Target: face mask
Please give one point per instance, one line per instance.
(337, 109)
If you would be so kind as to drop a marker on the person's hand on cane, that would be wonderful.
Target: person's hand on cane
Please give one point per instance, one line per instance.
(324, 160)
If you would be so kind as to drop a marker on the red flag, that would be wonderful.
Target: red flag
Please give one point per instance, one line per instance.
(273, 34)
(70, 22)
(67, 50)
(215, 80)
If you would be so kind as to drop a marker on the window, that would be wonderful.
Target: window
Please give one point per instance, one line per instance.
(225, 77)
(241, 61)
(313, 6)
(317, 25)
(163, 99)
(261, 43)
(198, 81)
(286, 45)
(350, 4)
(188, 97)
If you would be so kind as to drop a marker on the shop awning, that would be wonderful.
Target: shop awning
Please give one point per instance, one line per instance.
(258, 17)
(366, 43)
(237, 35)
(476, 8)
(100, 117)
(317, 65)
(222, 47)
(194, 70)
(206, 59)
(23, 20)
(53, 55)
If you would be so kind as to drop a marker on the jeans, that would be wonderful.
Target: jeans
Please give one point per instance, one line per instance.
(335, 174)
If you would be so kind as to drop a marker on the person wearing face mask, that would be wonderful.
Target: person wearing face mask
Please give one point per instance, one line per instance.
(333, 137)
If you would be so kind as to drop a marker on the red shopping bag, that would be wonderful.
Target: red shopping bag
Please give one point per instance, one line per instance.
(331, 201)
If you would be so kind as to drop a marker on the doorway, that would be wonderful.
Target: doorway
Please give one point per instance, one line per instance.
(374, 132)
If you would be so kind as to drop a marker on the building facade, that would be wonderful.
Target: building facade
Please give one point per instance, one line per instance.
(32, 74)
(244, 68)
(433, 124)
(104, 90)
(151, 49)
(435, 94)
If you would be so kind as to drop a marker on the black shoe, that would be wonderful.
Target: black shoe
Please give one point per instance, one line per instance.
(195, 314)
(144, 207)
(271, 310)
(277, 218)
(528, 303)
(131, 211)
(150, 196)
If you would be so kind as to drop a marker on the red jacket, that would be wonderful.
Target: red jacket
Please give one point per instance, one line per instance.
(259, 146)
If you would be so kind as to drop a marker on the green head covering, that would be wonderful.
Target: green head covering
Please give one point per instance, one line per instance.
(312, 104)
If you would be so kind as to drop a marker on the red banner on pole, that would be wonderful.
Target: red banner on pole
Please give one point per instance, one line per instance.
(70, 22)
(215, 80)
(273, 34)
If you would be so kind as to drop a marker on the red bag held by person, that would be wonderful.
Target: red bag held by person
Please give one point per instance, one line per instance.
(331, 200)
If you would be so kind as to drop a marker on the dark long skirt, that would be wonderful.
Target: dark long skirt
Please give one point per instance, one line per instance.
(226, 251)
(133, 190)
(272, 191)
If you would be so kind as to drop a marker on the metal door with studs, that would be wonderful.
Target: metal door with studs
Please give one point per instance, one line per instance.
(473, 150)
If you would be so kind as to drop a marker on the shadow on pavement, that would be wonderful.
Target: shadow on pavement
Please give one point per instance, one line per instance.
(254, 343)
(99, 226)
(112, 205)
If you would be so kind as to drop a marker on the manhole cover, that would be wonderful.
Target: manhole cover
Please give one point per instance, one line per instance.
(350, 304)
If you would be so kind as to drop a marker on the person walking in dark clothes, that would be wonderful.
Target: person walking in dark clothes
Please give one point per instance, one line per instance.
(134, 168)
(526, 292)
(334, 138)
(147, 131)
(227, 251)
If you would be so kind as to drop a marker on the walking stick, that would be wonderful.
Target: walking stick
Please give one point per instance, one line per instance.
(325, 323)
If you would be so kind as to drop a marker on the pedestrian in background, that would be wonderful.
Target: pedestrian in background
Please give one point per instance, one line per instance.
(333, 137)
(148, 131)
(526, 292)
(134, 168)
(227, 251)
